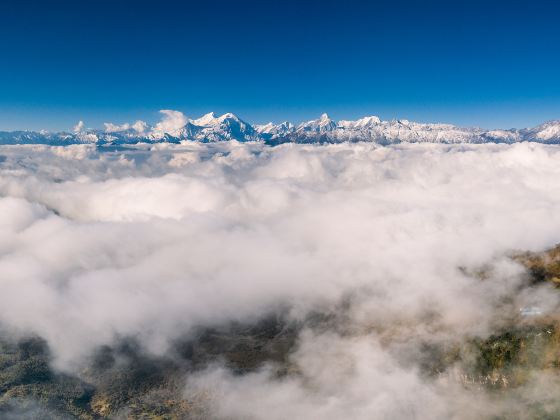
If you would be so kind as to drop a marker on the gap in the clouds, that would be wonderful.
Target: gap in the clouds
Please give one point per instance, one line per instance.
(125, 377)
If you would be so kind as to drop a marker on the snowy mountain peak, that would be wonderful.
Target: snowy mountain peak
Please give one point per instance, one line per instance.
(362, 123)
(175, 127)
(548, 132)
(372, 119)
(206, 119)
(265, 128)
(229, 116)
(286, 125)
(270, 130)
(211, 119)
(323, 124)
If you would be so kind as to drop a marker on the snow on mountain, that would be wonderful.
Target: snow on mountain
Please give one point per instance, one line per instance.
(271, 130)
(383, 132)
(175, 127)
(365, 122)
(549, 132)
(210, 128)
(206, 120)
(322, 125)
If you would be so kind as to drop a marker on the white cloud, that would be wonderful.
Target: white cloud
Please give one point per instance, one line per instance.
(139, 126)
(154, 241)
(114, 128)
(172, 123)
(78, 127)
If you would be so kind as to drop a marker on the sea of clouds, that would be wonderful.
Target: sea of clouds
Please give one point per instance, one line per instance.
(154, 241)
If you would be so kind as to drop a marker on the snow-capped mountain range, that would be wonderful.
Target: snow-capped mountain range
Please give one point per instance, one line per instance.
(176, 127)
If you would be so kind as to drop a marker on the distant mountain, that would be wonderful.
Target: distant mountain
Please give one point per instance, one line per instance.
(229, 126)
(211, 128)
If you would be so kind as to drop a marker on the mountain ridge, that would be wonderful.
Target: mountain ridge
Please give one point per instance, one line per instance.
(176, 127)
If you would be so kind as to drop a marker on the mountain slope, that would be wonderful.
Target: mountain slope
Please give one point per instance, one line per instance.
(212, 128)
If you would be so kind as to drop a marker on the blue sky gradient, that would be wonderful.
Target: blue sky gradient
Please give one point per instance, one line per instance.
(486, 63)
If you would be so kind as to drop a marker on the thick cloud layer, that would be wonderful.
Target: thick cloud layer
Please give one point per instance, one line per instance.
(154, 241)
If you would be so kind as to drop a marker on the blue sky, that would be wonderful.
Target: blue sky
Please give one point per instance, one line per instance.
(487, 63)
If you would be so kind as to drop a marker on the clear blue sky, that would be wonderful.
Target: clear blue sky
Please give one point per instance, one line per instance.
(487, 63)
